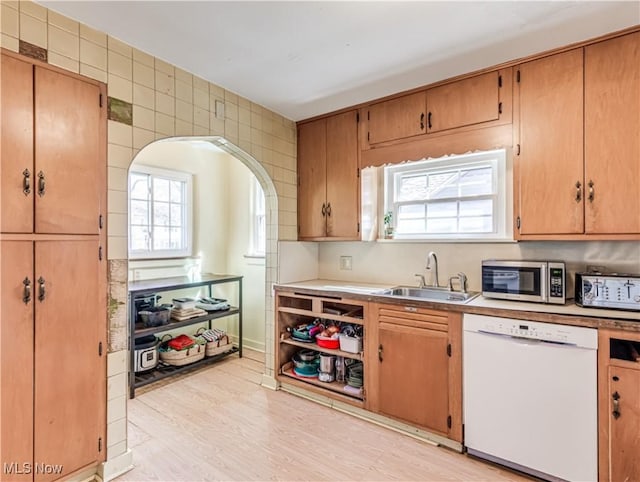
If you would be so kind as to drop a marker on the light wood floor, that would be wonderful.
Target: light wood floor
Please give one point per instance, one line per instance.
(220, 424)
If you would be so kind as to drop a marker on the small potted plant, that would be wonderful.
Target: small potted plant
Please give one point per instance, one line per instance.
(388, 224)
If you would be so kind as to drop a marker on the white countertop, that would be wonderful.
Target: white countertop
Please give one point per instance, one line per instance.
(569, 309)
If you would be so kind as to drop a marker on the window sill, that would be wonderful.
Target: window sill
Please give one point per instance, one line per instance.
(447, 241)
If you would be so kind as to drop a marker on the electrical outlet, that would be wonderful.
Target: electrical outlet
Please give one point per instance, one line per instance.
(345, 263)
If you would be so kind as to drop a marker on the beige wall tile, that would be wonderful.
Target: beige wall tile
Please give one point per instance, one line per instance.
(230, 96)
(143, 58)
(116, 386)
(116, 409)
(120, 88)
(201, 131)
(184, 76)
(256, 136)
(184, 91)
(256, 120)
(64, 42)
(118, 133)
(143, 117)
(117, 363)
(216, 91)
(64, 23)
(117, 180)
(244, 116)
(33, 9)
(244, 103)
(117, 247)
(144, 96)
(165, 124)
(93, 54)
(118, 224)
(33, 30)
(184, 111)
(165, 104)
(165, 83)
(9, 43)
(201, 117)
(119, 156)
(93, 35)
(116, 432)
(201, 99)
(162, 66)
(142, 137)
(216, 126)
(244, 132)
(93, 73)
(63, 62)
(144, 75)
(119, 65)
(231, 111)
(122, 48)
(116, 450)
(183, 128)
(9, 21)
(231, 130)
(117, 202)
(201, 84)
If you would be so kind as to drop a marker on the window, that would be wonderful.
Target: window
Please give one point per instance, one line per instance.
(458, 197)
(159, 213)
(259, 221)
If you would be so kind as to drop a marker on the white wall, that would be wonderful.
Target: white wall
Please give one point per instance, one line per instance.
(396, 262)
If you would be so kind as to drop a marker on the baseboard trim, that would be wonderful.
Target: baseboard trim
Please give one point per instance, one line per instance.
(269, 382)
(116, 466)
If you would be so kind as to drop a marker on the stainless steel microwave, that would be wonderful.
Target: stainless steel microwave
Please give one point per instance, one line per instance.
(537, 281)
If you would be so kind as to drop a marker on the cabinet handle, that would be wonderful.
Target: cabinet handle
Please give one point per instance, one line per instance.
(380, 352)
(41, 289)
(429, 120)
(26, 182)
(324, 210)
(26, 297)
(41, 184)
(578, 192)
(422, 121)
(592, 193)
(329, 209)
(616, 405)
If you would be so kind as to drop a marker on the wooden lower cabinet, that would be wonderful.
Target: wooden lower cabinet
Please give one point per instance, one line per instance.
(619, 406)
(52, 358)
(416, 369)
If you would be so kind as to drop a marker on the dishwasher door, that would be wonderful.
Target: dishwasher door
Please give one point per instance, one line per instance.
(531, 403)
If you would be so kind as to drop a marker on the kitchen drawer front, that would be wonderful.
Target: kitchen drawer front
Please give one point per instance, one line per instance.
(413, 317)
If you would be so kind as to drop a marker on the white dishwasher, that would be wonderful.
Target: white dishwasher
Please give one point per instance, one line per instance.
(530, 396)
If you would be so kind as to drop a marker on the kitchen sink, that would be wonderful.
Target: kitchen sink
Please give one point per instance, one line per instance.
(429, 294)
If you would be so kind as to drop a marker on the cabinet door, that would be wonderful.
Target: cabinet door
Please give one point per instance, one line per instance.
(462, 103)
(397, 118)
(312, 181)
(16, 357)
(16, 146)
(612, 135)
(624, 443)
(413, 375)
(551, 145)
(69, 373)
(343, 184)
(68, 153)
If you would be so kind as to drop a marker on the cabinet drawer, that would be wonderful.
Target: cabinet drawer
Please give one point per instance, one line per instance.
(414, 317)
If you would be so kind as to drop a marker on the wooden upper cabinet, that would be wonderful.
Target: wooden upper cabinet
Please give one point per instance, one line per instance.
(397, 118)
(312, 179)
(16, 176)
(612, 135)
(465, 102)
(68, 154)
(550, 164)
(343, 183)
(328, 183)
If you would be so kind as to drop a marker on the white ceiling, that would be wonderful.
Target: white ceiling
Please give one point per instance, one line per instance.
(302, 59)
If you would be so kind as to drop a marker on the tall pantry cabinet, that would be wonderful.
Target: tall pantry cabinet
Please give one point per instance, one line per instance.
(52, 271)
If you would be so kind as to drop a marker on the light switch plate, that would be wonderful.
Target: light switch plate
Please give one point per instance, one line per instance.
(345, 263)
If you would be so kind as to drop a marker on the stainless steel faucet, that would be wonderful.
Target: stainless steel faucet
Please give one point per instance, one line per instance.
(423, 283)
(462, 278)
(434, 278)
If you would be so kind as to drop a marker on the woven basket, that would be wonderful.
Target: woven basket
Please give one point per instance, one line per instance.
(216, 347)
(182, 357)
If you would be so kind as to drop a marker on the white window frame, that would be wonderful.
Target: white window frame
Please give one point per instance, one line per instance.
(502, 226)
(187, 213)
(258, 215)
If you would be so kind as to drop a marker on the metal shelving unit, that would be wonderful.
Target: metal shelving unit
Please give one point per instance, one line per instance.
(149, 287)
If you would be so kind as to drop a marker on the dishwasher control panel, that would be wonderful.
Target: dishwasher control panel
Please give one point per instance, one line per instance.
(611, 291)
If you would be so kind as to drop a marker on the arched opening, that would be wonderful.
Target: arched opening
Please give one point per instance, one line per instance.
(259, 338)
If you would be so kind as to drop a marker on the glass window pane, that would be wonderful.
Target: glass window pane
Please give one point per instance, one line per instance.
(442, 209)
(160, 214)
(176, 191)
(443, 185)
(176, 238)
(139, 238)
(160, 189)
(476, 182)
(412, 188)
(176, 215)
(442, 225)
(410, 226)
(479, 207)
(480, 224)
(411, 211)
(139, 186)
(140, 212)
(161, 238)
